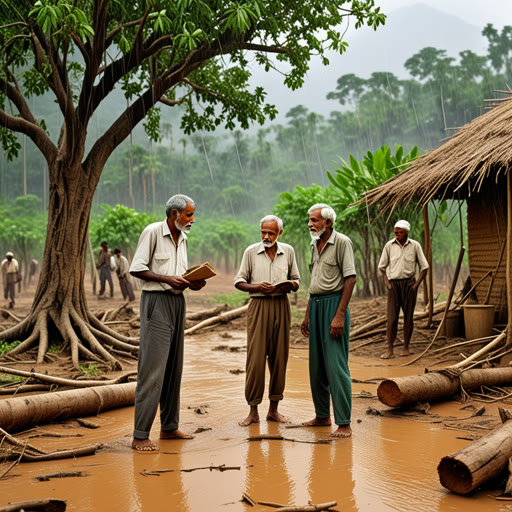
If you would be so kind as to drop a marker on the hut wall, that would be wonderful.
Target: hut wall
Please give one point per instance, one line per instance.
(487, 229)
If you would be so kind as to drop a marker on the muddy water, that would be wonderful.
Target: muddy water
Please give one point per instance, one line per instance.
(388, 464)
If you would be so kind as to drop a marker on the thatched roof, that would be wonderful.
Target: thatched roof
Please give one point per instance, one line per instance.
(479, 153)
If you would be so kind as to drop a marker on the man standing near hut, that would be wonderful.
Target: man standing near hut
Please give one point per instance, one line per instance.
(398, 266)
(264, 265)
(160, 260)
(327, 320)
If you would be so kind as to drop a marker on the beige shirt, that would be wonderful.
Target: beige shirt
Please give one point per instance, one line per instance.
(257, 267)
(122, 265)
(330, 268)
(157, 252)
(9, 267)
(399, 261)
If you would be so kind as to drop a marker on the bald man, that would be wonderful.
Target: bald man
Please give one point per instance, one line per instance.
(398, 266)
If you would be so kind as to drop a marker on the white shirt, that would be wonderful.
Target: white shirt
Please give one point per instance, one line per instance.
(399, 261)
(9, 267)
(157, 252)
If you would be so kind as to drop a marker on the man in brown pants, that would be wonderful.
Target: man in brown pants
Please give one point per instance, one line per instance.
(265, 265)
(398, 266)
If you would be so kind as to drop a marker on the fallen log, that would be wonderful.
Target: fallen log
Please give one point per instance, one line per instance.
(206, 313)
(483, 459)
(26, 412)
(219, 319)
(72, 453)
(435, 385)
(48, 505)
(60, 474)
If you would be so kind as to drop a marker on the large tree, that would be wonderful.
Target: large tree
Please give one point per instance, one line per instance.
(193, 53)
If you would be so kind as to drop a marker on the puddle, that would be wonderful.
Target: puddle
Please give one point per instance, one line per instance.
(389, 464)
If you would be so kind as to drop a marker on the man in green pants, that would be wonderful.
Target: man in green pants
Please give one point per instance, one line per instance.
(327, 320)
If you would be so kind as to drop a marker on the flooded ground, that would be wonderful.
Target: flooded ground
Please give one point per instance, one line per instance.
(389, 463)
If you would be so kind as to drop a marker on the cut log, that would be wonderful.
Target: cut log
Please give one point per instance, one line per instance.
(26, 412)
(434, 386)
(219, 319)
(483, 459)
(49, 505)
(207, 313)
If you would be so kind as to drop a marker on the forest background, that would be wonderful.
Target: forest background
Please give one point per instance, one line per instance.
(376, 125)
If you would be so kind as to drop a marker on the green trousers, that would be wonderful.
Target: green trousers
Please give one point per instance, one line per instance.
(329, 374)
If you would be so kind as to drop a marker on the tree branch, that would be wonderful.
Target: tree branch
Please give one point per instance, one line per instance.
(264, 48)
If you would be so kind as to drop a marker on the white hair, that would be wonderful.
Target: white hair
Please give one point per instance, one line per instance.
(327, 212)
(272, 218)
(178, 202)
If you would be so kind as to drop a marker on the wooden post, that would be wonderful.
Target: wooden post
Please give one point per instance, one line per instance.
(509, 255)
(430, 273)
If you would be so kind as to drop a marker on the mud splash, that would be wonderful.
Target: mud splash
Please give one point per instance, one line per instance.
(388, 465)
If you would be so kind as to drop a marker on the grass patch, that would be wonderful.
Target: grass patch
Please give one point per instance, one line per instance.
(233, 300)
(91, 370)
(53, 348)
(6, 347)
(6, 378)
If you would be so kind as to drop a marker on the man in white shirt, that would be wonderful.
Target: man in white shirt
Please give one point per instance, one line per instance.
(122, 268)
(160, 261)
(398, 266)
(10, 275)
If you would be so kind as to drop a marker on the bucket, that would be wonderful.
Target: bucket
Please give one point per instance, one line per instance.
(454, 324)
(478, 320)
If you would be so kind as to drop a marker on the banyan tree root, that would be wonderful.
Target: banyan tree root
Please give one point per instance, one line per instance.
(435, 385)
(219, 319)
(26, 412)
(483, 459)
(48, 505)
(72, 383)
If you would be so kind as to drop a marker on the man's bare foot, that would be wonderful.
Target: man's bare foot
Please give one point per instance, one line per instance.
(276, 416)
(143, 445)
(317, 422)
(252, 418)
(405, 352)
(387, 356)
(342, 431)
(174, 434)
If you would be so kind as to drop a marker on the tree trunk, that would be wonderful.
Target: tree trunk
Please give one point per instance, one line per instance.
(434, 385)
(26, 412)
(60, 306)
(465, 470)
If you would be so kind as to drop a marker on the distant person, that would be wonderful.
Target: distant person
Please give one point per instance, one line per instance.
(327, 320)
(33, 268)
(104, 262)
(10, 276)
(122, 268)
(160, 261)
(265, 264)
(398, 266)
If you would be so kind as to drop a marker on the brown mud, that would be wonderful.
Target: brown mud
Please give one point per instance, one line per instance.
(389, 464)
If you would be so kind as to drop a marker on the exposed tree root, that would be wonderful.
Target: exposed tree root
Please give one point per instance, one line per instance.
(86, 338)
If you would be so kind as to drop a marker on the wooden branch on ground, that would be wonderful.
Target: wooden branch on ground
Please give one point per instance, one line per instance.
(483, 459)
(72, 383)
(207, 313)
(307, 508)
(277, 437)
(6, 313)
(222, 318)
(60, 474)
(434, 385)
(158, 472)
(48, 505)
(28, 388)
(28, 411)
(62, 454)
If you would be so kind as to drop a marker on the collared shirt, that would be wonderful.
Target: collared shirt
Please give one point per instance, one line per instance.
(330, 268)
(257, 267)
(399, 261)
(9, 267)
(157, 252)
(122, 265)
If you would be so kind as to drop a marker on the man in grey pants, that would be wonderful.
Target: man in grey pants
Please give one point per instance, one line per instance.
(160, 261)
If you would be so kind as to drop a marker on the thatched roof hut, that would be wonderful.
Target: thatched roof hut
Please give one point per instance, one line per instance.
(472, 165)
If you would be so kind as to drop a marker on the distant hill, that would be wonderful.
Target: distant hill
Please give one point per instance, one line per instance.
(407, 30)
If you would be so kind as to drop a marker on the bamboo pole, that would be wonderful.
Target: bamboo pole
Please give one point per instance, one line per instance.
(491, 284)
(509, 256)
(430, 278)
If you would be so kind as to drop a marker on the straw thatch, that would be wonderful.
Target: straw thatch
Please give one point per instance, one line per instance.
(480, 153)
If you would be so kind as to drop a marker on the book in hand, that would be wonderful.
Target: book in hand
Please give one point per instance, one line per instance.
(204, 271)
(284, 286)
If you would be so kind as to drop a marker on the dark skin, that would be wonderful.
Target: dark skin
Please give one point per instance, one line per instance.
(401, 236)
(316, 224)
(270, 232)
(184, 218)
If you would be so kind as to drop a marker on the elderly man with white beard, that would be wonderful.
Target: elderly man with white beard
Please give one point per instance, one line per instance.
(327, 320)
(160, 261)
(265, 265)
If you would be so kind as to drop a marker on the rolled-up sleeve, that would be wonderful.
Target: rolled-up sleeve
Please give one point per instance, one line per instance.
(142, 257)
